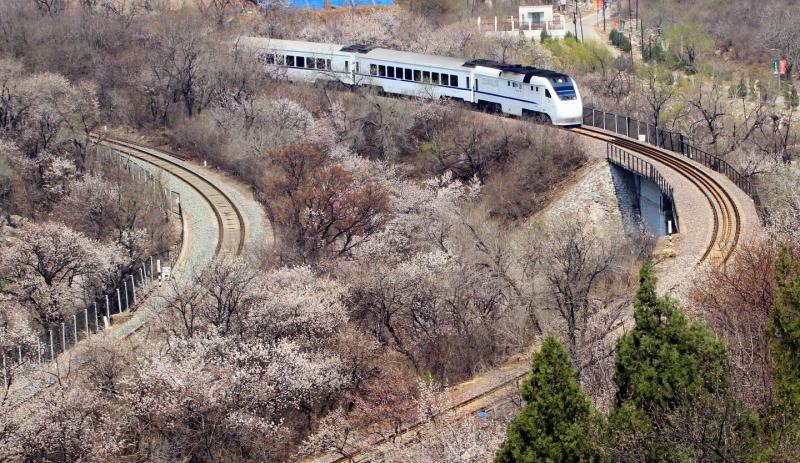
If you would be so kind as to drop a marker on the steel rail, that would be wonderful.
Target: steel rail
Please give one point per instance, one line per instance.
(230, 220)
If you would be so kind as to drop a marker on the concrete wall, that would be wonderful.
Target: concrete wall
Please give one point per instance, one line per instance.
(640, 201)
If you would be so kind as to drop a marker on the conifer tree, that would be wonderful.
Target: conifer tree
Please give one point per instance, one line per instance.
(554, 425)
(664, 363)
(784, 338)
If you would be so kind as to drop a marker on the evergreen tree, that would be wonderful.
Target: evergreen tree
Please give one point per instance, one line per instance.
(665, 366)
(784, 341)
(554, 425)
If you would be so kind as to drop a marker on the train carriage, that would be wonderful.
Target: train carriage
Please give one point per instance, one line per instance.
(509, 88)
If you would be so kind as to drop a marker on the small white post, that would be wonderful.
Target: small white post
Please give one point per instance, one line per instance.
(512, 24)
(75, 326)
(63, 337)
(96, 319)
(479, 23)
(86, 321)
(119, 301)
(133, 289)
(127, 301)
(106, 323)
(52, 347)
(495, 23)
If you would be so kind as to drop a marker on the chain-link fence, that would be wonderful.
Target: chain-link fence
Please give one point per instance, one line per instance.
(632, 163)
(672, 141)
(134, 286)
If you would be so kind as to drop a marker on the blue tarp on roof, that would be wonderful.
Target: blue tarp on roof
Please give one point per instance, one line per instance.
(315, 4)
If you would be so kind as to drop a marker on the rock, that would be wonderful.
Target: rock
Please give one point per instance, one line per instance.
(15, 221)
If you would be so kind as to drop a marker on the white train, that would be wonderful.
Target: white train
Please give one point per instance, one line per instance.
(510, 88)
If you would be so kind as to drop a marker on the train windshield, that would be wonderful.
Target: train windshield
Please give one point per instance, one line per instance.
(564, 88)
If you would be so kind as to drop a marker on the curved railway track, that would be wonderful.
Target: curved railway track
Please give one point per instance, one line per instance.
(727, 223)
(231, 226)
(229, 218)
(726, 231)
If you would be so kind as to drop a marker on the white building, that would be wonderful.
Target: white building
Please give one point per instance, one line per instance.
(535, 14)
(530, 23)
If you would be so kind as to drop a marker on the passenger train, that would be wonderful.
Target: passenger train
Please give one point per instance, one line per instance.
(510, 88)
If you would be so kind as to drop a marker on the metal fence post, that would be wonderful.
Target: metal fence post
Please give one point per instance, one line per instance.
(627, 126)
(52, 347)
(75, 326)
(125, 292)
(86, 321)
(96, 319)
(141, 276)
(133, 288)
(108, 309)
(63, 337)
(119, 302)
(616, 124)
(604, 119)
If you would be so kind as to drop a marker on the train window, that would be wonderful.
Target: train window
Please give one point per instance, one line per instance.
(328, 64)
(417, 75)
(300, 61)
(346, 66)
(408, 74)
(398, 72)
(321, 63)
(280, 60)
(357, 67)
(435, 78)
(310, 63)
(382, 70)
(268, 58)
(467, 82)
(454, 81)
(373, 69)
(390, 72)
(426, 77)
(547, 93)
(289, 60)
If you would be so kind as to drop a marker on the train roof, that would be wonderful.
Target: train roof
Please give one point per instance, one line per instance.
(527, 72)
(291, 45)
(482, 66)
(386, 54)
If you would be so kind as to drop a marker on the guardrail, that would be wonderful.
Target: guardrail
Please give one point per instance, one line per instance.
(632, 163)
(134, 285)
(672, 141)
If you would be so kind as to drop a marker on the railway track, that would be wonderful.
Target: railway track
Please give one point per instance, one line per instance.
(231, 238)
(726, 231)
(727, 223)
(229, 218)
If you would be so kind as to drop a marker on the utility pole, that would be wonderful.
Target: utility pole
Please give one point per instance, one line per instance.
(577, 18)
(604, 16)
(575, 23)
